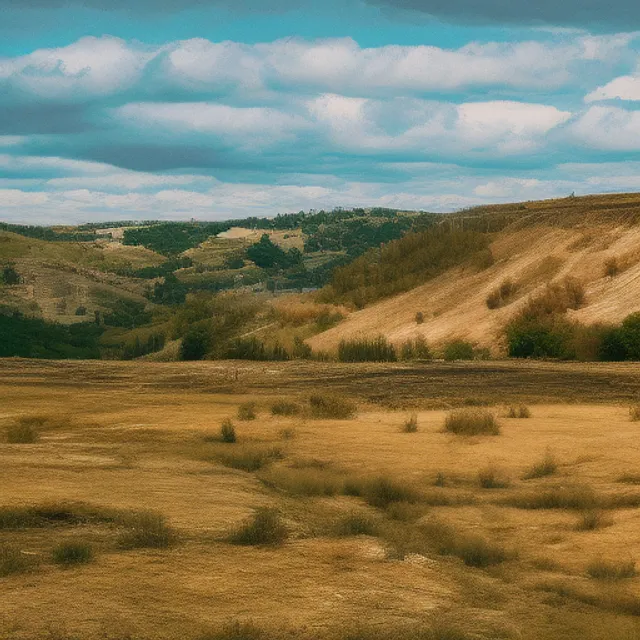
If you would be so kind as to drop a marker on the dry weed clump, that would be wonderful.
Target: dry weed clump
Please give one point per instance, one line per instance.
(634, 413)
(264, 528)
(410, 424)
(472, 422)
(331, 407)
(27, 428)
(520, 411)
(502, 295)
(13, 561)
(355, 524)
(72, 553)
(285, 408)
(593, 519)
(228, 432)
(54, 514)
(611, 570)
(247, 411)
(380, 491)
(146, 529)
(304, 481)
(579, 497)
(246, 456)
(492, 478)
(545, 467)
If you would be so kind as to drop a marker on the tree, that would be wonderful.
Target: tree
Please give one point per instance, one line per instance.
(10, 275)
(195, 344)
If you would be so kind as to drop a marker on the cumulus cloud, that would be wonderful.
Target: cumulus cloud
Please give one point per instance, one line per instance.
(623, 88)
(608, 129)
(623, 15)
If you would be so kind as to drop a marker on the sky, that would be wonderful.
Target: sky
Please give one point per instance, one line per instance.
(214, 109)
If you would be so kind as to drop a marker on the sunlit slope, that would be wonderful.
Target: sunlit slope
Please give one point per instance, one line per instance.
(595, 240)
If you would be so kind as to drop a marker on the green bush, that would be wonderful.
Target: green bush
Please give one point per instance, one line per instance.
(331, 407)
(264, 528)
(472, 422)
(71, 553)
(367, 350)
(458, 350)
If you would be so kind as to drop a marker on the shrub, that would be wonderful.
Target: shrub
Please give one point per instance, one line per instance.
(288, 433)
(381, 491)
(12, 560)
(21, 433)
(415, 349)
(355, 524)
(576, 497)
(545, 467)
(502, 294)
(611, 267)
(410, 424)
(263, 528)
(419, 317)
(304, 482)
(492, 478)
(62, 513)
(195, 344)
(440, 480)
(458, 350)
(634, 413)
(146, 529)
(520, 411)
(284, 408)
(367, 350)
(593, 519)
(246, 457)
(247, 411)
(611, 570)
(71, 553)
(472, 422)
(331, 406)
(228, 432)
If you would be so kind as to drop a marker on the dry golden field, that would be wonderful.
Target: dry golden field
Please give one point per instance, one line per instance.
(375, 533)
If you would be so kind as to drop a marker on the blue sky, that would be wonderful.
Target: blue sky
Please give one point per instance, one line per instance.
(219, 108)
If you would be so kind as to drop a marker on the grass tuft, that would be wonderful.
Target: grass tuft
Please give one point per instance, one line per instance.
(12, 561)
(472, 422)
(380, 492)
(246, 457)
(331, 406)
(72, 553)
(228, 432)
(492, 478)
(593, 519)
(410, 424)
(247, 411)
(520, 411)
(634, 413)
(264, 528)
(545, 467)
(600, 569)
(304, 481)
(355, 524)
(285, 408)
(146, 529)
(561, 497)
(21, 433)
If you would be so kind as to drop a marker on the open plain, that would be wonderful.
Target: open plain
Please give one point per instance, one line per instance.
(376, 530)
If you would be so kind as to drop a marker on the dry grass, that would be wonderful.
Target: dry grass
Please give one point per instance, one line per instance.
(72, 553)
(228, 432)
(492, 478)
(285, 408)
(247, 411)
(21, 434)
(472, 422)
(146, 529)
(611, 570)
(331, 406)
(410, 425)
(381, 491)
(13, 561)
(634, 413)
(356, 524)
(519, 411)
(246, 456)
(304, 481)
(580, 497)
(545, 467)
(593, 519)
(264, 528)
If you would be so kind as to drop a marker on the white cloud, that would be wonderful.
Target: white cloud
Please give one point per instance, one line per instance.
(624, 88)
(608, 129)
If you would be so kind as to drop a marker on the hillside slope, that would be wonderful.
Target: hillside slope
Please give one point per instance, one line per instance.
(583, 238)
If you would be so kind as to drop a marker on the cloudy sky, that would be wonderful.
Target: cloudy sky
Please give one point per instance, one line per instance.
(220, 108)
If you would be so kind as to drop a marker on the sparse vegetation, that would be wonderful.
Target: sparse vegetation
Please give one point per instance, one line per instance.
(356, 524)
(264, 528)
(21, 433)
(12, 561)
(245, 457)
(228, 432)
(545, 467)
(247, 411)
(518, 411)
(146, 529)
(367, 350)
(601, 569)
(502, 294)
(580, 497)
(472, 422)
(331, 407)
(593, 519)
(381, 491)
(492, 478)
(634, 413)
(72, 553)
(285, 408)
(410, 425)
(307, 481)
